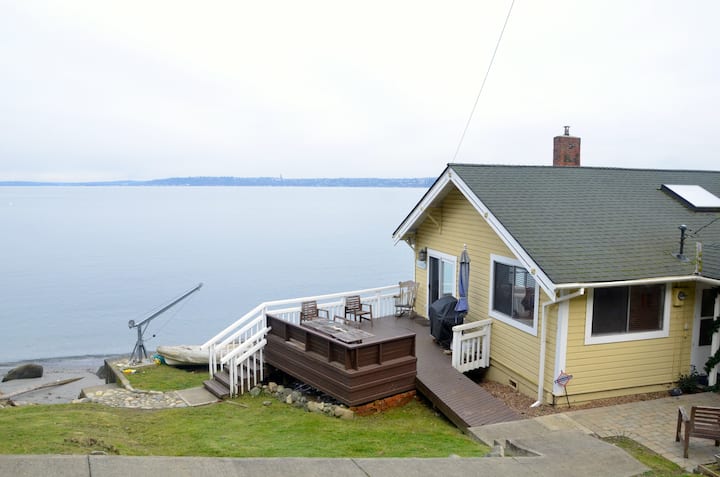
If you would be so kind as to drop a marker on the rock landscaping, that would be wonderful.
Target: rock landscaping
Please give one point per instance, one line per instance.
(298, 399)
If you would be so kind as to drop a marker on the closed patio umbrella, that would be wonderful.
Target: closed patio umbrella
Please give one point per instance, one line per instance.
(464, 282)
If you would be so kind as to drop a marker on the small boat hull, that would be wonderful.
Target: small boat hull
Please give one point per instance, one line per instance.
(184, 355)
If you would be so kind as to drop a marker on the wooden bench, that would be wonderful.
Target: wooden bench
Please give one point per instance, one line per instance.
(703, 422)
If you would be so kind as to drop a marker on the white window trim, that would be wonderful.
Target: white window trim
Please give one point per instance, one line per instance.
(664, 332)
(501, 316)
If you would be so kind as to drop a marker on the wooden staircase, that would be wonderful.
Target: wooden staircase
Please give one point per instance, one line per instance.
(219, 385)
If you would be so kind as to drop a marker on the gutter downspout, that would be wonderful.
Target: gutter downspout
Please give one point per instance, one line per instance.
(543, 335)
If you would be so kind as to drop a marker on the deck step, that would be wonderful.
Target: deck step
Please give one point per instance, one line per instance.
(223, 377)
(220, 384)
(218, 389)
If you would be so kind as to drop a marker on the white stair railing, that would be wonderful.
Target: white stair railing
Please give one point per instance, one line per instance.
(471, 345)
(245, 364)
(239, 347)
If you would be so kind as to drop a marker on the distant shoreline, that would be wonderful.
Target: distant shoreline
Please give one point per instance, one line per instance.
(420, 182)
(63, 362)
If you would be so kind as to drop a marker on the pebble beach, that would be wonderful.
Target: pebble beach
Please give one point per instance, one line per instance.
(54, 370)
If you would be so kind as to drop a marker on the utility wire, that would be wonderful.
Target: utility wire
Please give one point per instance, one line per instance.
(487, 73)
(694, 233)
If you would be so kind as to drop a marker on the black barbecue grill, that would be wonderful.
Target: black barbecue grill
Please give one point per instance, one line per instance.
(443, 317)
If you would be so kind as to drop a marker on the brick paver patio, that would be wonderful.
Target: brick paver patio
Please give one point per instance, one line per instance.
(652, 423)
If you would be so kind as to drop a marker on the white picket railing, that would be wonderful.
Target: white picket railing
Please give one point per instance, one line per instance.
(239, 347)
(471, 345)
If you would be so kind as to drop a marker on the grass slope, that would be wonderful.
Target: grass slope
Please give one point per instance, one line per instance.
(229, 430)
(243, 427)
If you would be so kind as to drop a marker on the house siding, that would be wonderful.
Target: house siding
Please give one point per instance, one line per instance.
(599, 370)
(614, 369)
(550, 350)
(513, 352)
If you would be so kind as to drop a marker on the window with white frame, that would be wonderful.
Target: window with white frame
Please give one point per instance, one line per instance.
(627, 313)
(513, 294)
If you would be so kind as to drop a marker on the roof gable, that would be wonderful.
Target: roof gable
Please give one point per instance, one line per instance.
(584, 225)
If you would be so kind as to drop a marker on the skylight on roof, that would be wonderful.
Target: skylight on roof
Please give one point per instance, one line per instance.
(695, 196)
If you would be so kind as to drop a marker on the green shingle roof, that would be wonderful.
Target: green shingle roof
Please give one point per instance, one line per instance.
(583, 224)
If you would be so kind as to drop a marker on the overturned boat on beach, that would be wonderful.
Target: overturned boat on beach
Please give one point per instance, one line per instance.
(183, 355)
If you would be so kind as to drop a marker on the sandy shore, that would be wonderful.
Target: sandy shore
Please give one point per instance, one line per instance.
(55, 369)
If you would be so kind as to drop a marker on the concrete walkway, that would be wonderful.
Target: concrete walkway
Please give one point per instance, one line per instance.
(653, 424)
(114, 466)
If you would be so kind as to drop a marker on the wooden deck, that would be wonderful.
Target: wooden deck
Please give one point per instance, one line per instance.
(460, 399)
(353, 369)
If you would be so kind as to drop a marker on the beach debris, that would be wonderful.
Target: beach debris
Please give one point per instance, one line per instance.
(236, 404)
(101, 372)
(59, 382)
(25, 371)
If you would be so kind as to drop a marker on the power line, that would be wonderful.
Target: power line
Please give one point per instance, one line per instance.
(487, 73)
(694, 233)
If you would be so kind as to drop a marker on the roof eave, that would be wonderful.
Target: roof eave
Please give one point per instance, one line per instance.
(640, 281)
(441, 185)
(415, 216)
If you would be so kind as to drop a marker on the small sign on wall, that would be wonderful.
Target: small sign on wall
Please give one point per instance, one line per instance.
(421, 265)
(563, 378)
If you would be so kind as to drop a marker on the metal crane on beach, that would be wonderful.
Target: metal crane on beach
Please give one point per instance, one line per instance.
(139, 352)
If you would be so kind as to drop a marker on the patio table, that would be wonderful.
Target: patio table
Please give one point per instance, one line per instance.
(338, 331)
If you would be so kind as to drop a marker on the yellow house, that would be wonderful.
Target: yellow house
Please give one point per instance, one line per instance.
(599, 282)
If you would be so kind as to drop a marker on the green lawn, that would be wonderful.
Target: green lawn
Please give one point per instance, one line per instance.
(242, 427)
(659, 466)
(167, 378)
(229, 429)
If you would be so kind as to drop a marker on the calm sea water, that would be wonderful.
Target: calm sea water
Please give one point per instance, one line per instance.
(79, 262)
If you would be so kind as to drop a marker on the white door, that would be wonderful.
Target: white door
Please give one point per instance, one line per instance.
(702, 339)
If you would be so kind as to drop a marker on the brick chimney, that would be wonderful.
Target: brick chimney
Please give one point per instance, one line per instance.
(566, 150)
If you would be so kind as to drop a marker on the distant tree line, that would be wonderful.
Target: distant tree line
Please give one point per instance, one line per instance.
(247, 181)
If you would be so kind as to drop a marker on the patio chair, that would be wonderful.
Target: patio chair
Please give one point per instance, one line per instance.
(405, 299)
(309, 311)
(357, 310)
(703, 422)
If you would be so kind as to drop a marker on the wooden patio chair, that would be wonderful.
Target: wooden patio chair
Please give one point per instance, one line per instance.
(405, 299)
(309, 311)
(357, 310)
(703, 422)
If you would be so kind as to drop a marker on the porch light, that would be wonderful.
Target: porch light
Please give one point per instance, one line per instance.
(422, 254)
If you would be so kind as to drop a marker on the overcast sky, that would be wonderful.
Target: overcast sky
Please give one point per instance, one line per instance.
(96, 90)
